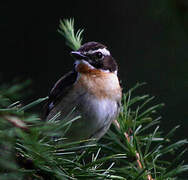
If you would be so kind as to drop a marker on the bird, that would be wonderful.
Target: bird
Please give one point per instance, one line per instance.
(92, 89)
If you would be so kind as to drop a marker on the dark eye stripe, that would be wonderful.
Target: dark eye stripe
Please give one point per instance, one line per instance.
(99, 55)
(95, 56)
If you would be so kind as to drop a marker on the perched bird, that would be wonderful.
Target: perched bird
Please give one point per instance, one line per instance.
(92, 88)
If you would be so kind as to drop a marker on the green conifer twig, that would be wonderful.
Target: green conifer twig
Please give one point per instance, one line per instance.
(39, 156)
(66, 28)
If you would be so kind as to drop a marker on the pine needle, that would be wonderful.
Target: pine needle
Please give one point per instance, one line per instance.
(66, 28)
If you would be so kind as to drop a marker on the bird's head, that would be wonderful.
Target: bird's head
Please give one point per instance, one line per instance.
(96, 55)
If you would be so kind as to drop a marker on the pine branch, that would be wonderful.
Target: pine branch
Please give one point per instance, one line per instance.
(66, 28)
(136, 153)
(133, 149)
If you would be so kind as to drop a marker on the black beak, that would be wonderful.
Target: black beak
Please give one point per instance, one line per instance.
(78, 55)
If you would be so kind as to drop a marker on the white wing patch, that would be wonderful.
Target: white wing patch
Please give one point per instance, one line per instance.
(51, 105)
(104, 51)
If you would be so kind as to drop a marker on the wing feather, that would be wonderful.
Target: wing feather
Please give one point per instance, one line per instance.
(60, 89)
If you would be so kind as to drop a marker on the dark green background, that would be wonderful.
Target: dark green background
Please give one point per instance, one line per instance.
(148, 38)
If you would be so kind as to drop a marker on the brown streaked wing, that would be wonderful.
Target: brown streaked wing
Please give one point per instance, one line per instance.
(59, 90)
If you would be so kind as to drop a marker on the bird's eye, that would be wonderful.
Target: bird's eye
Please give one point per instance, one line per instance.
(99, 55)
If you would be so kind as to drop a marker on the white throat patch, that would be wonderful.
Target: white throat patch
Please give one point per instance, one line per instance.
(104, 51)
(77, 62)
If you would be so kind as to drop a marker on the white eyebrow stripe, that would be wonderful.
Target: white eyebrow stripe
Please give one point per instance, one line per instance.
(104, 51)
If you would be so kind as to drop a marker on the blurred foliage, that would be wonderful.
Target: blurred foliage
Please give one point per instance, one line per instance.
(170, 60)
(172, 12)
(135, 149)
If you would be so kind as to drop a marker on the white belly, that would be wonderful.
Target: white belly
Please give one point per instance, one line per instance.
(96, 117)
(100, 112)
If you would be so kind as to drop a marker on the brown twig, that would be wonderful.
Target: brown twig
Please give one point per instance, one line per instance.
(16, 122)
(137, 154)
